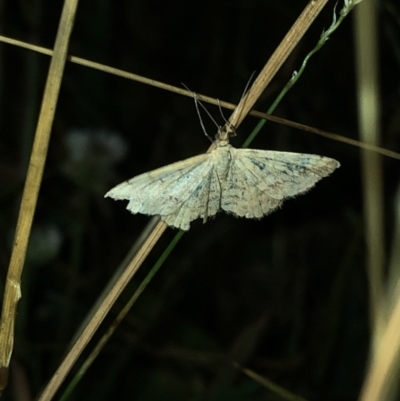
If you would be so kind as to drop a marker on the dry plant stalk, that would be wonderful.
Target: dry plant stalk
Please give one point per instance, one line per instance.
(207, 99)
(280, 55)
(12, 292)
(280, 391)
(277, 59)
(102, 311)
(367, 73)
(382, 378)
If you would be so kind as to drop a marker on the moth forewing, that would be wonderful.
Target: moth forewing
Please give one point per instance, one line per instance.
(284, 174)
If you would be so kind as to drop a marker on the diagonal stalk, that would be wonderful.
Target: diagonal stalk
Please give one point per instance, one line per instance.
(277, 59)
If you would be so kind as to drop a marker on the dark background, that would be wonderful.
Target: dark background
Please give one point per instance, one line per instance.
(285, 296)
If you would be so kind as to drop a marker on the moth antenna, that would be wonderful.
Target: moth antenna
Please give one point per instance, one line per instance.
(197, 102)
(231, 130)
(247, 85)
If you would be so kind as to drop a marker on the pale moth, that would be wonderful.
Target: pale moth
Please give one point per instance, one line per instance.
(245, 182)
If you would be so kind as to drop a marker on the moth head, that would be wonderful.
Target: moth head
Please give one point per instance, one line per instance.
(224, 133)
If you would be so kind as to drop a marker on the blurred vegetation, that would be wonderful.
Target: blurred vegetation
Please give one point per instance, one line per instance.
(285, 296)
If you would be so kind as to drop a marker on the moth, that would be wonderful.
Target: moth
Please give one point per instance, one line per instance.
(245, 182)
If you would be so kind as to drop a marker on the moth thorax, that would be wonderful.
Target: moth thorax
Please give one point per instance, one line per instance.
(222, 160)
(221, 143)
